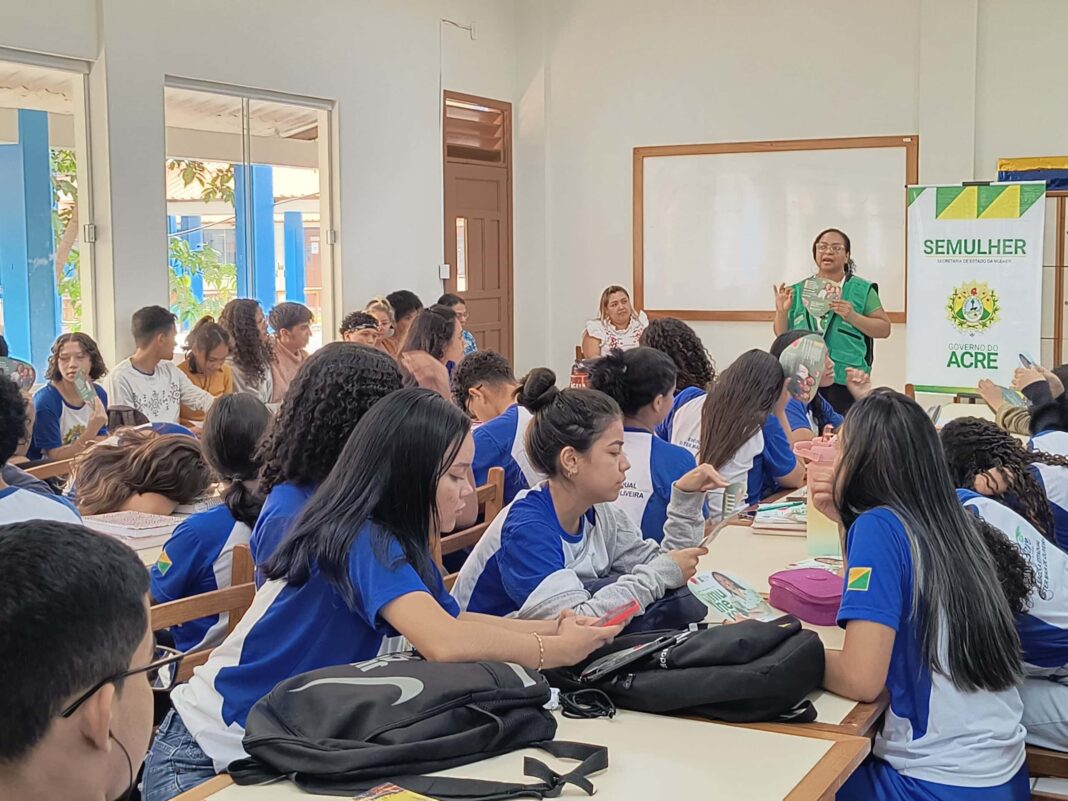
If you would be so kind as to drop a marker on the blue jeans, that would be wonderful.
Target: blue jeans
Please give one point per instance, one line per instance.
(174, 763)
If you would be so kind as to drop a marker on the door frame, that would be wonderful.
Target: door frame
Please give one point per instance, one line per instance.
(449, 258)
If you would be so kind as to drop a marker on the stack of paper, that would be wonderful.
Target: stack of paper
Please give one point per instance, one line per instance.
(781, 517)
(139, 530)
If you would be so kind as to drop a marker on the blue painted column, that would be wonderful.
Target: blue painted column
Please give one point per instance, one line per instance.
(293, 225)
(255, 275)
(190, 230)
(27, 247)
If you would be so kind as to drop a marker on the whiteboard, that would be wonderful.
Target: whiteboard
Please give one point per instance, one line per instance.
(719, 229)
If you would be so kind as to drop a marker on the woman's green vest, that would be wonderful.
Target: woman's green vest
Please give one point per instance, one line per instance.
(848, 345)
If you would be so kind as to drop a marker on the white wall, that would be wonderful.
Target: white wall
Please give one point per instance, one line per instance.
(381, 61)
(608, 75)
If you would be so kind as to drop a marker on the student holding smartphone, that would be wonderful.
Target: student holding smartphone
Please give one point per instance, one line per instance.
(67, 422)
(565, 544)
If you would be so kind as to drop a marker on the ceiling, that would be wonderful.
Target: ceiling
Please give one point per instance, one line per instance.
(25, 86)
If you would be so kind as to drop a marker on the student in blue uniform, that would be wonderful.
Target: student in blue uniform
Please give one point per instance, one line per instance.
(642, 382)
(696, 372)
(333, 389)
(18, 504)
(355, 571)
(1044, 628)
(198, 557)
(484, 386)
(996, 464)
(743, 429)
(552, 548)
(65, 425)
(926, 616)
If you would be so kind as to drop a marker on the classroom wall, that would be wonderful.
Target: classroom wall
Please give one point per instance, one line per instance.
(384, 64)
(975, 78)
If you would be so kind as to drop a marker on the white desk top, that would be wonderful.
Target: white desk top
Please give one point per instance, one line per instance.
(754, 557)
(655, 757)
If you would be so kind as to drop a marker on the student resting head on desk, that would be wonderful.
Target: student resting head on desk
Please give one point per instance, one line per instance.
(77, 659)
(356, 569)
(940, 637)
(555, 545)
(994, 463)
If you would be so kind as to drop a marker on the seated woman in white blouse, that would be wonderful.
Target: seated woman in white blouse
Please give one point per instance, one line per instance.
(618, 326)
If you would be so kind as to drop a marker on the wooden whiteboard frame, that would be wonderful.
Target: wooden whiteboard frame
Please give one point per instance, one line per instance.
(910, 144)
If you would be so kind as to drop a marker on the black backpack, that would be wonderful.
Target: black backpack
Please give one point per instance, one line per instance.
(345, 729)
(741, 673)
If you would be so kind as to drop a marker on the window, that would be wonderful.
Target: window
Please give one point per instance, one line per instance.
(44, 206)
(244, 210)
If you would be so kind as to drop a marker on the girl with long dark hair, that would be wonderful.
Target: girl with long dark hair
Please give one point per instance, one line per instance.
(553, 548)
(743, 427)
(994, 463)
(198, 557)
(251, 350)
(642, 382)
(926, 615)
(355, 570)
(333, 389)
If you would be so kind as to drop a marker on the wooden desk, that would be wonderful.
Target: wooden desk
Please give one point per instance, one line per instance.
(753, 557)
(149, 556)
(656, 757)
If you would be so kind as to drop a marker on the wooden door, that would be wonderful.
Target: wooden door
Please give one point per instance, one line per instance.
(478, 216)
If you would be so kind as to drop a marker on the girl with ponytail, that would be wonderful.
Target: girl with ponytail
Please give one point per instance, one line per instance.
(198, 557)
(565, 544)
(642, 382)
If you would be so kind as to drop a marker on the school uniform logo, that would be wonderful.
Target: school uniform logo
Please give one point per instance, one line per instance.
(163, 564)
(859, 579)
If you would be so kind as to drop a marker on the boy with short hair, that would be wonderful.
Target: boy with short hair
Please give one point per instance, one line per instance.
(149, 381)
(292, 332)
(16, 503)
(406, 305)
(77, 652)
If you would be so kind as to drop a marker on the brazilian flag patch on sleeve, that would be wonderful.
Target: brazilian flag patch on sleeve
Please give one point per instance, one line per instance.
(163, 564)
(859, 579)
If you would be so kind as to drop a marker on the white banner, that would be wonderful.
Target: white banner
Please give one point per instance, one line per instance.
(975, 283)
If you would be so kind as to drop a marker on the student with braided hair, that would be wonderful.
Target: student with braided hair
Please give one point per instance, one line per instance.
(984, 458)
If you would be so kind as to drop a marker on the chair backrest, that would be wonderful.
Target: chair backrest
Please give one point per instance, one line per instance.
(57, 469)
(490, 503)
(233, 601)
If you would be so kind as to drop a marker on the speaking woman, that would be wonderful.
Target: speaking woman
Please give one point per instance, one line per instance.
(854, 315)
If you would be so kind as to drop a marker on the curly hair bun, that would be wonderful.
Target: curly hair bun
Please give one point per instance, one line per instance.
(538, 389)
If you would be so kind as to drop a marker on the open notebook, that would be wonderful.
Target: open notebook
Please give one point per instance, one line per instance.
(139, 530)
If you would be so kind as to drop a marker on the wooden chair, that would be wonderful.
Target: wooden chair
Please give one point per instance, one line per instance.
(1045, 763)
(490, 502)
(233, 601)
(57, 469)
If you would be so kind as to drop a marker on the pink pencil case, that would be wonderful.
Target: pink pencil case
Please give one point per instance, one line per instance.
(807, 593)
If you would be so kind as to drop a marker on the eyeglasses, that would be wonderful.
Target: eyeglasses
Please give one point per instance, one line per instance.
(825, 248)
(160, 679)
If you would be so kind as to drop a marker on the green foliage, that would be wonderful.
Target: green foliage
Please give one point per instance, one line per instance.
(220, 281)
(215, 183)
(64, 172)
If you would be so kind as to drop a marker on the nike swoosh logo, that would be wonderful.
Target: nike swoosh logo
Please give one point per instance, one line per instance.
(409, 687)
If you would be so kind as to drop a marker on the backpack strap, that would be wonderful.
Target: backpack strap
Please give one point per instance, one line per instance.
(548, 784)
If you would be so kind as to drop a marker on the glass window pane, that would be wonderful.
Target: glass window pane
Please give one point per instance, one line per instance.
(288, 252)
(205, 238)
(41, 209)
